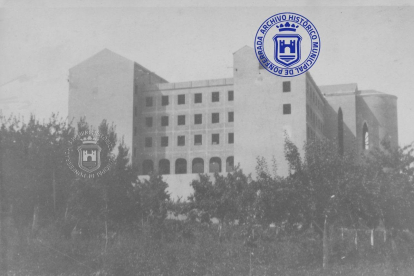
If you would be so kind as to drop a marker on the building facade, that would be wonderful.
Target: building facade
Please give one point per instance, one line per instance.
(186, 128)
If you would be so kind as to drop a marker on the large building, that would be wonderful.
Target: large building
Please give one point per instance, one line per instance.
(186, 128)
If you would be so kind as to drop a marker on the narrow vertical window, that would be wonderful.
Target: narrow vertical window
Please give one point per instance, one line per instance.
(230, 95)
(215, 97)
(148, 101)
(231, 138)
(231, 117)
(365, 137)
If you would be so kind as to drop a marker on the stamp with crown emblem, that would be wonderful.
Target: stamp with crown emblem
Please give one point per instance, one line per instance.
(86, 148)
(287, 44)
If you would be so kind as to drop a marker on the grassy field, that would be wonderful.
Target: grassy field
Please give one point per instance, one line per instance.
(193, 249)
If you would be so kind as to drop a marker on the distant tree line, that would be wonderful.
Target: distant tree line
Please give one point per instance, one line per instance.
(324, 188)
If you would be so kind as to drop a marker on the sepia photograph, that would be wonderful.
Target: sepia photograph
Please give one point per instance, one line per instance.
(206, 138)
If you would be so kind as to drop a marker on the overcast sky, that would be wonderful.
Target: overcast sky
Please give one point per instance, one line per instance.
(368, 45)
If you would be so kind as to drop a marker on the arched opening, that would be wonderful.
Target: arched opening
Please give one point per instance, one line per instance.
(340, 132)
(147, 167)
(180, 166)
(198, 165)
(215, 164)
(230, 164)
(365, 137)
(164, 166)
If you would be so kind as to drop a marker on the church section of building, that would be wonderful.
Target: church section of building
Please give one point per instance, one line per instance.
(208, 126)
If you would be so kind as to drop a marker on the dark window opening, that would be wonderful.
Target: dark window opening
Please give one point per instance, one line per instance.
(164, 166)
(198, 119)
(181, 166)
(198, 98)
(231, 138)
(286, 109)
(181, 120)
(215, 118)
(198, 165)
(231, 117)
(181, 99)
(286, 86)
(230, 95)
(198, 140)
(230, 164)
(148, 142)
(215, 97)
(215, 165)
(164, 141)
(181, 141)
(164, 120)
(165, 100)
(148, 101)
(215, 139)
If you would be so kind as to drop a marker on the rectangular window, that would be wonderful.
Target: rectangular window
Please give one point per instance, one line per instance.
(148, 142)
(215, 139)
(164, 120)
(215, 118)
(164, 100)
(286, 86)
(215, 97)
(286, 109)
(231, 117)
(148, 121)
(198, 140)
(230, 95)
(181, 120)
(135, 111)
(198, 119)
(198, 98)
(148, 101)
(135, 131)
(164, 141)
(231, 138)
(181, 99)
(181, 140)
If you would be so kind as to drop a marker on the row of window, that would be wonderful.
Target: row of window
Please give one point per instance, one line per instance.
(181, 99)
(198, 140)
(181, 165)
(314, 98)
(313, 118)
(181, 119)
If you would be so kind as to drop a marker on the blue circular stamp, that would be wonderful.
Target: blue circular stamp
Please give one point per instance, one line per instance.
(287, 44)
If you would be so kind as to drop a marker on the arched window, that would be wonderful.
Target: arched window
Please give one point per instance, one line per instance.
(215, 164)
(340, 132)
(164, 166)
(365, 137)
(198, 165)
(180, 166)
(230, 164)
(147, 167)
